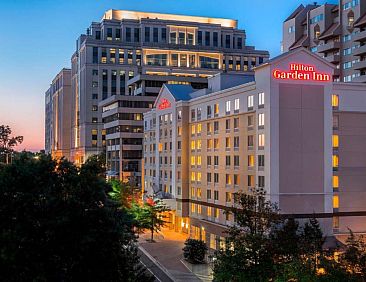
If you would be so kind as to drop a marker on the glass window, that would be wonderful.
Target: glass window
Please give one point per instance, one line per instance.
(261, 99)
(236, 105)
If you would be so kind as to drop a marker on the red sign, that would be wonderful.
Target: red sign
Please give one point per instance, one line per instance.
(301, 72)
(164, 104)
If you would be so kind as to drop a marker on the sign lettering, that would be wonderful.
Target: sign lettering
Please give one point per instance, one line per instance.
(301, 72)
(164, 104)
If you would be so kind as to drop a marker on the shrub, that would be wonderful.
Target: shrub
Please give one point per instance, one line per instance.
(194, 251)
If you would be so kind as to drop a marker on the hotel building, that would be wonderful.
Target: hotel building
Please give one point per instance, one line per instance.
(288, 129)
(123, 61)
(336, 32)
(58, 115)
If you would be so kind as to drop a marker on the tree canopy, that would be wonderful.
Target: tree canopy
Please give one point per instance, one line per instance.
(57, 225)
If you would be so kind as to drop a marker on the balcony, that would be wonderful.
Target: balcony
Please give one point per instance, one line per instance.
(334, 45)
(360, 37)
(360, 79)
(332, 58)
(360, 51)
(360, 65)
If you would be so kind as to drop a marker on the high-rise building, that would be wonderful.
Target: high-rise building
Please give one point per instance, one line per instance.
(58, 115)
(291, 130)
(336, 32)
(124, 61)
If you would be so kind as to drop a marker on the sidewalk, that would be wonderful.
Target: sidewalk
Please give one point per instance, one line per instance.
(167, 250)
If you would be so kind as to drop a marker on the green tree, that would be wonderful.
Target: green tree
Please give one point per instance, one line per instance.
(124, 193)
(194, 250)
(354, 256)
(7, 142)
(248, 255)
(57, 225)
(150, 215)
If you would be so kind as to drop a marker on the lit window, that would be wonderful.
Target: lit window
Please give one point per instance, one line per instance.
(209, 213)
(261, 119)
(236, 105)
(216, 144)
(199, 176)
(250, 102)
(199, 160)
(216, 109)
(199, 144)
(336, 222)
(335, 181)
(261, 140)
(193, 145)
(335, 202)
(227, 142)
(228, 107)
(261, 99)
(193, 176)
(193, 129)
(199, 128)
(179, 131)
(335, 140)
(193, 160)
(335, 101)
(209, 144)
(335, 161)
(160, 147)
(250, 160)
(228, 197)
(228, 179)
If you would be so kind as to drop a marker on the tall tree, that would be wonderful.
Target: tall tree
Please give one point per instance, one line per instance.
(7, 142)
(354, 256)
(247, 255)
(150, 215)
(56, 225)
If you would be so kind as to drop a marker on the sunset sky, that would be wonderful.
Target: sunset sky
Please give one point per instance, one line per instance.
(38, 38)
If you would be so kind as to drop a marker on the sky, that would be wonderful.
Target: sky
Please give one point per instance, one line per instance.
(38, 38)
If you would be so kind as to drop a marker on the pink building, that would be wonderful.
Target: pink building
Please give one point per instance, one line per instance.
(292, 131)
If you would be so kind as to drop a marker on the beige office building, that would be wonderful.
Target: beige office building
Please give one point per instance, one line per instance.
(123, 62)
(336, 32)
(58, 115)
(291, 130)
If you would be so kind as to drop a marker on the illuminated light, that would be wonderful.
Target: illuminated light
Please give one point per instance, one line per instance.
(165, 104)
(301, 72)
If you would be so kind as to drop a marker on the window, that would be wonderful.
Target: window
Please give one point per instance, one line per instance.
(193, 114)
(216, 110)
(199, 160)
(199, 39)
(347, 65)
(163, 34)
(261, 181)
(347, 37)
(228, 197)
(97, 35)
(260, 160)
(228, 106)
(335, 141)
(209, 179)
(216, 160)
(335, 101)
(250, 102)
(250, 180)
(335, 122)
(236, 142)
(179, 115)
(261, 120)
(228, 179)
(335, 162)
(209, 111)
(335, 202)
(209, 160)
(209, 144)
(128, 34)
(227, 143)
(216, 178)
(199, 176)
(236, 124)
(250, 140)
(261, 100)
(179, 131)
(227, 125)
(215, 39)
(193, 129)
(94, 108)
(317, 18)
(109, 34)
(193, 160)
(207, 38)
(155, 34)
(250, 160)
(136, 34)
(236, 161)
(208, 194)
(193, 176)
(95, 96)
(291, 29)
(227, 160)
(147, 34)
(216, 195)
(216, 127)
(193, 145)
(347, 51)
(260, 140)
(209, 128)
(236, 179)
(335, 181)
(236, 105)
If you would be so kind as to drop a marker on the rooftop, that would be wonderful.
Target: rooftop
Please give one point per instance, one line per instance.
(136, 15)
